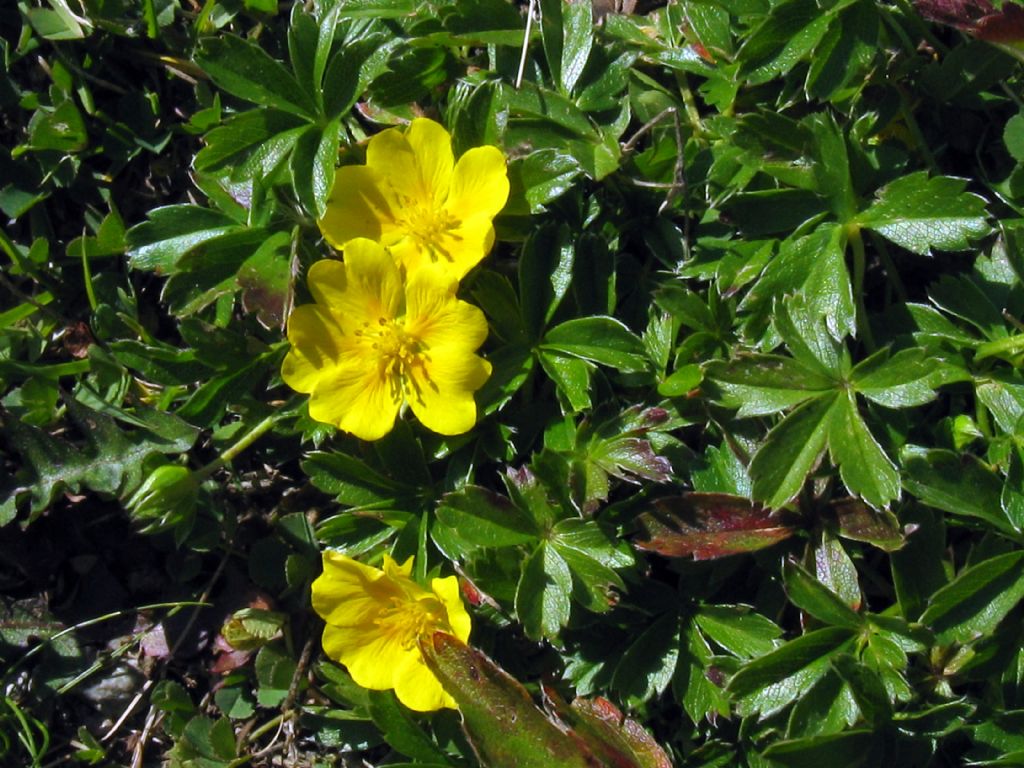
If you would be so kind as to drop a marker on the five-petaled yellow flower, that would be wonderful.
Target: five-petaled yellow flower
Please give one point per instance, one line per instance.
(376, 619)
(375, 339)
(413, 198)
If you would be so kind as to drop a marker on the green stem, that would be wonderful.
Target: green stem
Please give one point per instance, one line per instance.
(244, 442)
(890, 268)
(853, 237)
(90, 622)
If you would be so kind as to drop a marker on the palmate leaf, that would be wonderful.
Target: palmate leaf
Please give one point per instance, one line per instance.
(819, 382)
(921, 213)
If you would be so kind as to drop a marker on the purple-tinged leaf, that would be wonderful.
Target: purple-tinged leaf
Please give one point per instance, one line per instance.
(615, 739)
(501, 721)
(857, 521)
(709, 525)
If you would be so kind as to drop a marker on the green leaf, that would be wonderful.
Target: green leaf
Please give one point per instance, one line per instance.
(973, 604)
(545, 274)
(813, 266)
(110, 461)
(810, 595)
(61, 130)
(602, 340)
(592, 557)
(828, 707)
(213, 740)
(849, 749)
(957, 483)
(834, 568)
(485, 519)
(572, 377)
(739, 629)
(313, 161)
(806, 335)
(275, 669)
(784, 38)
(230, 145)
(867, 689)
(902, 380)
(577, 21)
(401, 731)
(699, 696)
(352, 69)
(172, 232)
(917, 569)
(552, 31)
(351, 480)
(791, 451)
(921, 213)
(245, 70)
(542, 596)
(1013, 137)
(866, 470)
(775, 680)
(545, 175)
(847, 49)
(764, 384)
(647, 666)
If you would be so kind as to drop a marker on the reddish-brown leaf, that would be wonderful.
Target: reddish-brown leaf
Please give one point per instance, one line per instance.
(709, 525)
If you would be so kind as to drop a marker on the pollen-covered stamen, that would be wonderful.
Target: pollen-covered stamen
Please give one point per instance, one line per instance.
(397, 350)
(406, 620)
(429, 225)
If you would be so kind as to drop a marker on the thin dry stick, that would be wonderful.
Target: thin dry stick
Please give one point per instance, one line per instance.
(677, 187)
(140, 745)
(526, 43)
(152, 718)
(128, 710)
(293, 688)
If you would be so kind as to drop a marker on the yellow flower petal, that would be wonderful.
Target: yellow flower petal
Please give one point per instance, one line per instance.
(457, 250)
(364, 288)
(432, 147)
(441, 392)
(357, 398)
(414, 199)
(317, 345)
(417, 688)
(395, 571)
(376, 619)
(372, 658)
(356, 207)
(349, 593)
(479, 183)
(437, 318)
(447, 591)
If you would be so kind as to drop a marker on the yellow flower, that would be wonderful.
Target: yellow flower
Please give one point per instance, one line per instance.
(412, 197)
(376, 619)
(374, 340)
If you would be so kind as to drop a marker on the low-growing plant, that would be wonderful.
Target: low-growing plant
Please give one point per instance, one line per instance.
(638, 382)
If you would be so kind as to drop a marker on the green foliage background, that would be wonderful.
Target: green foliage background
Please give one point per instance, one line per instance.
(759, 256)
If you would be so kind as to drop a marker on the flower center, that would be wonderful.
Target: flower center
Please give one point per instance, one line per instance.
(407, 620)
(397, 352)
(428, 226)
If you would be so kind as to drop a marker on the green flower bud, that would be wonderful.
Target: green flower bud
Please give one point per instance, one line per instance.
(165, 498)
